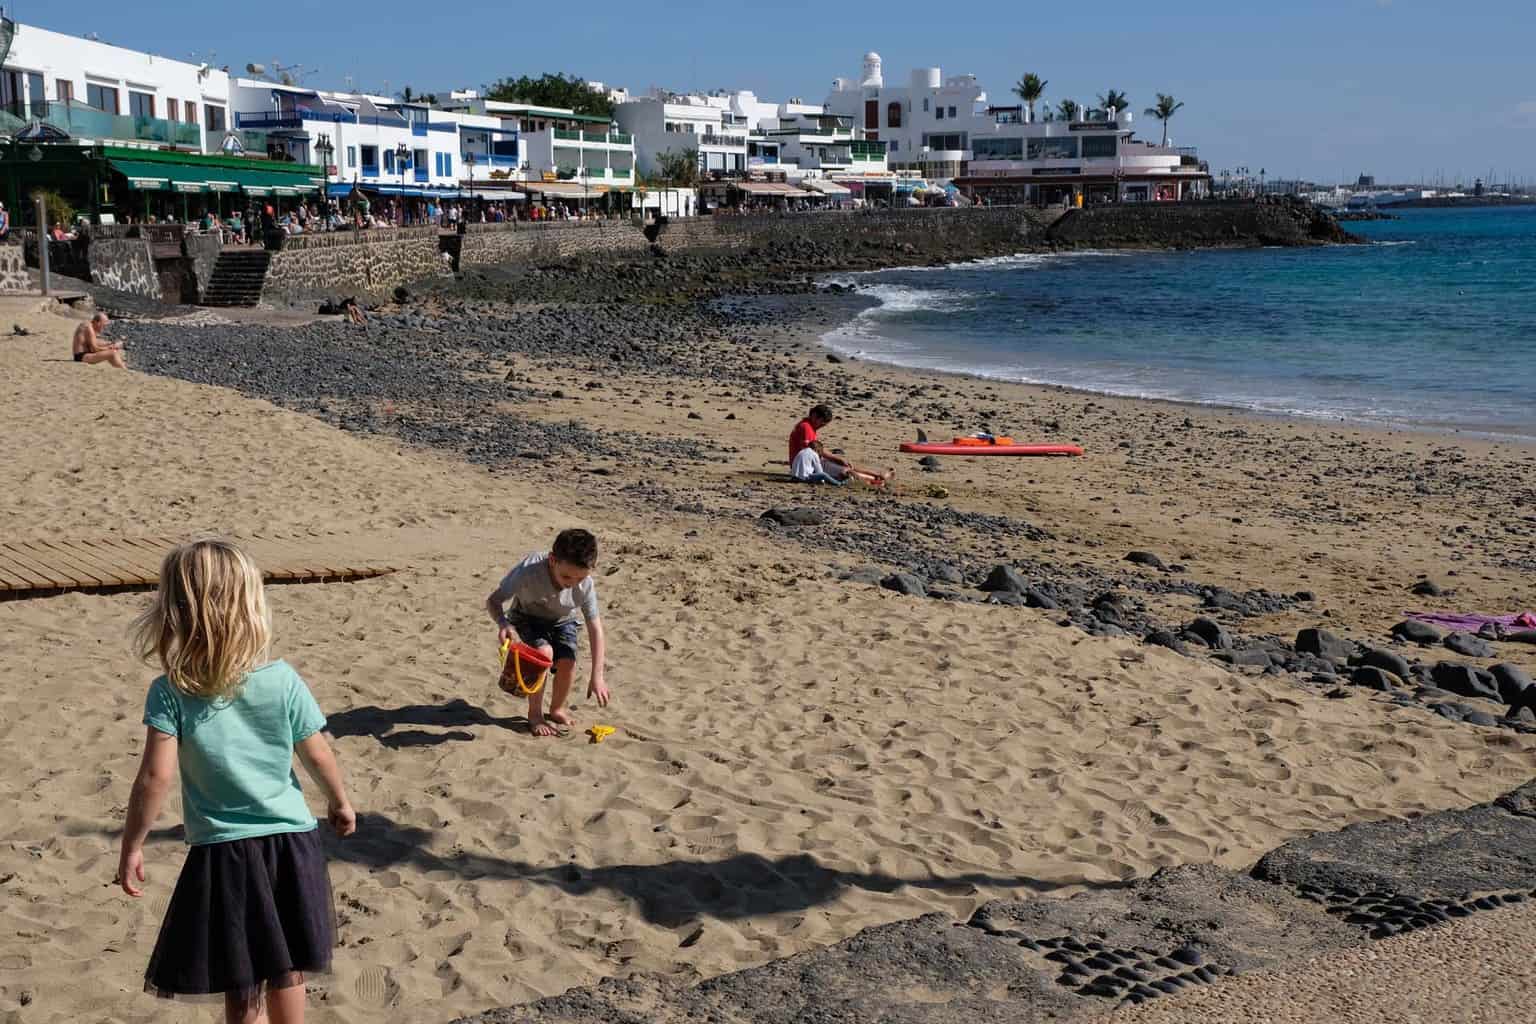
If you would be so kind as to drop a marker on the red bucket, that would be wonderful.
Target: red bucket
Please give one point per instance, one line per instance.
(522, 668)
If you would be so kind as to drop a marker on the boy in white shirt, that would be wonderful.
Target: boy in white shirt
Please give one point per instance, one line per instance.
(808, 467)
(547, 592)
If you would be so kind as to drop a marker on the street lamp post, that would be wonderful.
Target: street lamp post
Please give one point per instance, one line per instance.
(586, 186)
(324, 149)
(469, 162)
(402, 154)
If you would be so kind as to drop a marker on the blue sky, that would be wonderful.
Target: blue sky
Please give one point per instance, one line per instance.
(1311, 88)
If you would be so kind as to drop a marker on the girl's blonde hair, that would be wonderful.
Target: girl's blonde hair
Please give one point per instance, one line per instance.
(209, 623)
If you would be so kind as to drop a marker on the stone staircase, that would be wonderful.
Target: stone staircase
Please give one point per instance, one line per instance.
(237, 278)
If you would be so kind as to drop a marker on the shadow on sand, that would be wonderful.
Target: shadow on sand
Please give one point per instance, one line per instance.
(381, 723)
(672, 894)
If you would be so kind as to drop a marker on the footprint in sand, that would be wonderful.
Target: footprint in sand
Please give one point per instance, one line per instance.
(374, 987)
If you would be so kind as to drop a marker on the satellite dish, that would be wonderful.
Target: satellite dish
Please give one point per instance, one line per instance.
(256, 69)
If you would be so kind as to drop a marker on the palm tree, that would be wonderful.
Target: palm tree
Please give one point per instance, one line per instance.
(1166, 107)
(1029, 89)
(1067, 110)
(1116, 99)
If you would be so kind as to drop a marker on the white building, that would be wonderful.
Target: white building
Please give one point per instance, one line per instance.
(944, 130)
(1095, 158)
(822, 145)
(94, 92)
(384, 145)
(671, 123)
(927, 124)
(559, 153)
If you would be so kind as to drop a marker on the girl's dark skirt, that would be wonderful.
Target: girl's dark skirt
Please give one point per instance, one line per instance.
(247, 916)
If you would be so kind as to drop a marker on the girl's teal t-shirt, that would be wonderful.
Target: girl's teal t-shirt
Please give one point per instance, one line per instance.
(236, 754)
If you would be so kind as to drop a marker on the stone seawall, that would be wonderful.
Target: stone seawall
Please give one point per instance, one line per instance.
(126, 265)
(13, 271)
(1198, 225)
(485, 244)
(923, 230)
(377, 261)
(348, 263)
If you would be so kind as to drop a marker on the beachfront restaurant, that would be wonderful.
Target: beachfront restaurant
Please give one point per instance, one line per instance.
(113, 184)
(579, 196)
(751, 195)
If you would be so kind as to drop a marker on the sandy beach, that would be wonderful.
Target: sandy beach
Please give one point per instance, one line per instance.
(799, 756)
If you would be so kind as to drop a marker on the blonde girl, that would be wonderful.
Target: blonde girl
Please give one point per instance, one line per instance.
(251, 914)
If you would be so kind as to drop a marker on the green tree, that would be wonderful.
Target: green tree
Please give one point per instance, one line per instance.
(406, 95)
(1166, 107)
(1115, 98)
(1067, 110)
(552, 90)
(678, 167)
(56, 208)
(1029, 89)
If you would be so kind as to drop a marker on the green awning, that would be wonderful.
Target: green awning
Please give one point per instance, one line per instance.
(142, 174)
(264, 182)
(151, 175)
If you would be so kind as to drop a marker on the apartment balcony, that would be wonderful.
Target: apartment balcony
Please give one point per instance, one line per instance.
(82, 122)
(723, 141)
(267, 121)
(594, 138)
(492, 160)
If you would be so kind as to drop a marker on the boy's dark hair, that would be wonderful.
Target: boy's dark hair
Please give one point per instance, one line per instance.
(821, 412)
(576, 547)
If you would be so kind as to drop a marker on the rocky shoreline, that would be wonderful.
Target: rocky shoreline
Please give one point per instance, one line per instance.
(1074, 959)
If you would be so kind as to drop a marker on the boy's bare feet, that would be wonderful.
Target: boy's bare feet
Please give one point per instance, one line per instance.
(543, 727)
(564, 716)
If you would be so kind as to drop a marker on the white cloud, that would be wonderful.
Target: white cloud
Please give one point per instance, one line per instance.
(1526, 109)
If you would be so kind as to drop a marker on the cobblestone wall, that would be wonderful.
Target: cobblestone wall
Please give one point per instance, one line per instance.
(202, 253)
(126, 265)
(352, 264)
(13, 271)
(507, 243)
(937, 230)
(375, 261)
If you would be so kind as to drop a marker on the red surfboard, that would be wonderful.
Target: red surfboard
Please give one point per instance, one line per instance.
(936, 448)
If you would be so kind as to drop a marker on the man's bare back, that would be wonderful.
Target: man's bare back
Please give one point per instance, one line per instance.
(88, 347)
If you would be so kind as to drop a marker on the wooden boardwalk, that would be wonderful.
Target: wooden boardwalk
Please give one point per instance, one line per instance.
(44, 567)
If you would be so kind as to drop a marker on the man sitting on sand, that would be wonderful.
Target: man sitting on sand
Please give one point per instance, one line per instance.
(809, 460)
(89, 348)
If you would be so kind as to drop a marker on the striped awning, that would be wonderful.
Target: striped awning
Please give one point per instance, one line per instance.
(825, 187)
(769, 188)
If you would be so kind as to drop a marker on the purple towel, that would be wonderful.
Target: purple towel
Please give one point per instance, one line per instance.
(1471, 623)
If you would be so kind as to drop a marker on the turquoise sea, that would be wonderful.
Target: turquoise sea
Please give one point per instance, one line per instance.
(1431, 325)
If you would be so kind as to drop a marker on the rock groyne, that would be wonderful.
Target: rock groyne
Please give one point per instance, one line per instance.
(1281, 221)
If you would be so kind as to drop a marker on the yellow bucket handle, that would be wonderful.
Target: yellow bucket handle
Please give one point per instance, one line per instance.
(517, 670)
